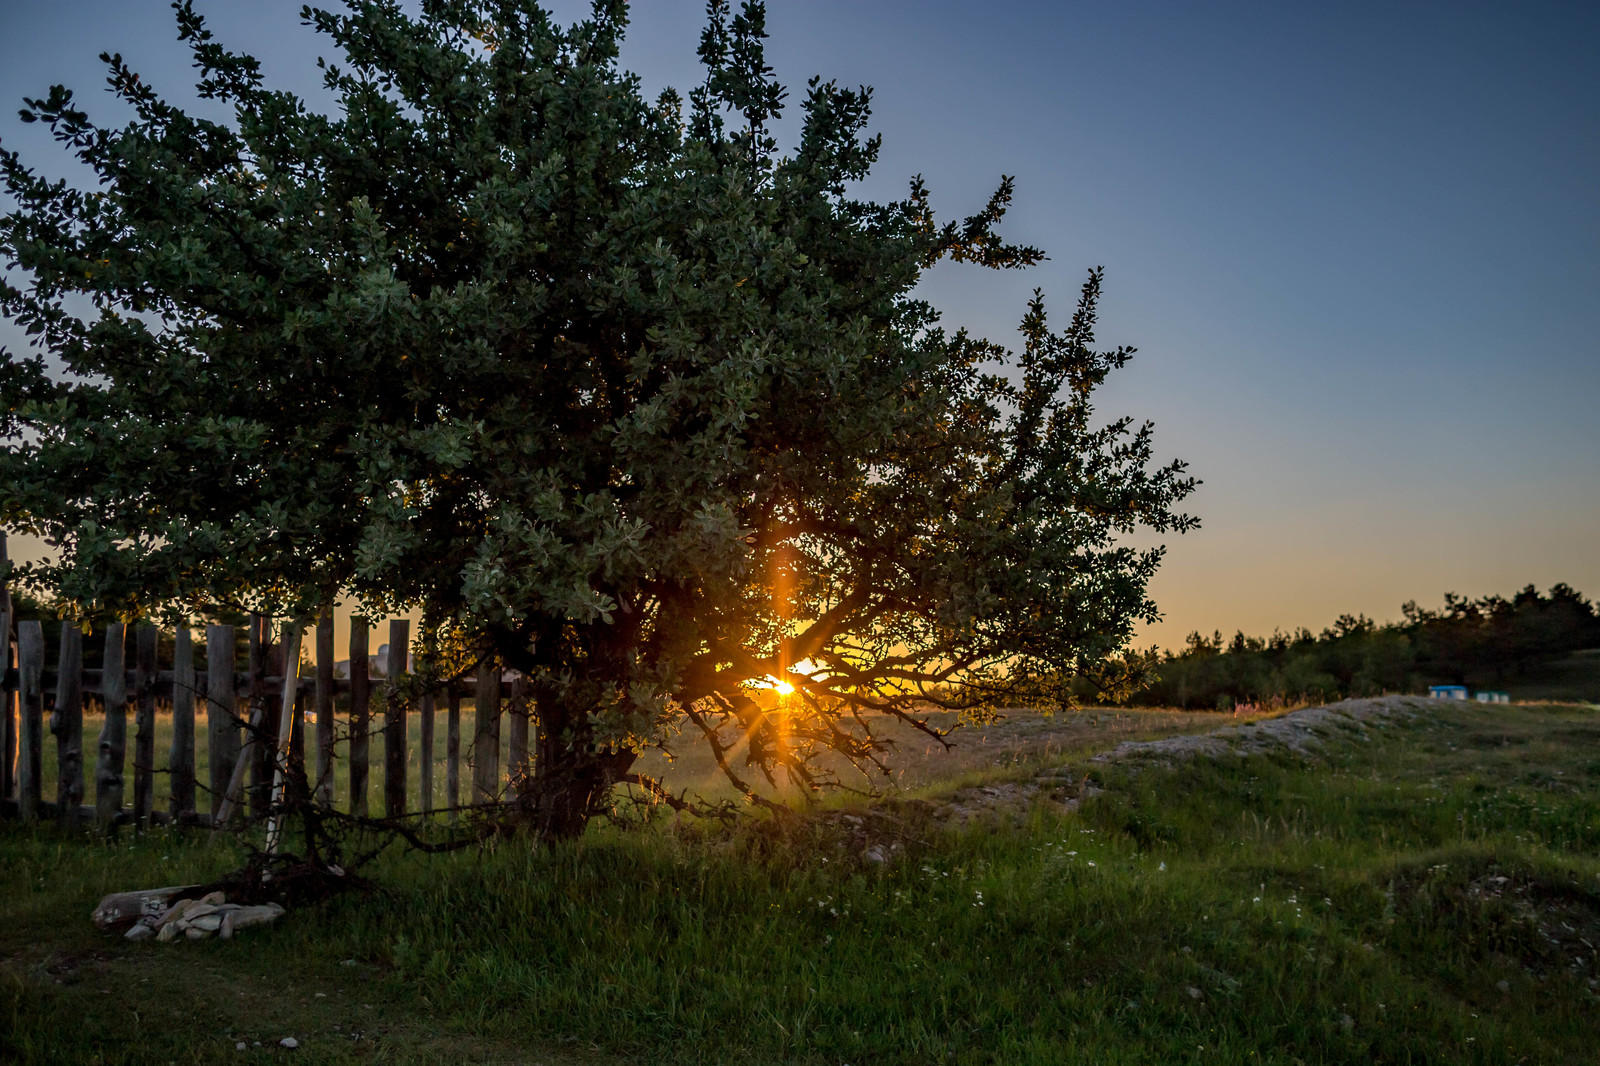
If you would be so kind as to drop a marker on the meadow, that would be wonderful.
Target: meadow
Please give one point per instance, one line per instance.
(1430, 895)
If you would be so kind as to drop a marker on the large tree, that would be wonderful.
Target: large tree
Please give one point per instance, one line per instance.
(608, 388)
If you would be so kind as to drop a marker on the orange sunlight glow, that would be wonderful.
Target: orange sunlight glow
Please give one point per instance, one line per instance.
(782, 688)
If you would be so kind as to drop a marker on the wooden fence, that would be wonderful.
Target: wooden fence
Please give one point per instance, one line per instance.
(244, 711)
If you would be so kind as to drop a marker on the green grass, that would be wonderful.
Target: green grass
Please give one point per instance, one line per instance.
(1258, 910)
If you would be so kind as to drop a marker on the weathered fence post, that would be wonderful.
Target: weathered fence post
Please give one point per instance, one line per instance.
(180, 760)
(30, 734)
(113, 746)
(8, 717)
(260, 715)
(222, 714)
(256, 737)
(66, 723)
(517, 721)
(286, 716)
(425, 754)
(360, 705)
(394, 720)
(486, 735)
(8, 712)
(147, 643)
(452, 750)
(324, 707)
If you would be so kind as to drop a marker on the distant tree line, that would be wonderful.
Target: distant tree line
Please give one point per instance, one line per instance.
(1483, 642)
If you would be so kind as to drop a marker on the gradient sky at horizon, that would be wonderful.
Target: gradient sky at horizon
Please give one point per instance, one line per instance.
(1356, 245)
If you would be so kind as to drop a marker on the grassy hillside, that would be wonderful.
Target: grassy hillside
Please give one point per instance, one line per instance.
(1432, 895)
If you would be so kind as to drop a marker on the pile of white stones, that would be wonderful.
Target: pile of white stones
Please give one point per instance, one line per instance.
(209, 915)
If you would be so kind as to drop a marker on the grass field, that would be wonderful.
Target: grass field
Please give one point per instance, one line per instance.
(1432, 895)
(1016, 741)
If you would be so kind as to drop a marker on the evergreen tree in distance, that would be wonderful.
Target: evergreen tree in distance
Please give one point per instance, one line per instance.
(608, 388)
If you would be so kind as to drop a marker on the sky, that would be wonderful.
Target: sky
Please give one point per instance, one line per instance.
(1356, 245)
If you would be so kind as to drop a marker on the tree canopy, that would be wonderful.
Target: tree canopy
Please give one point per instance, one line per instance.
(609, 388)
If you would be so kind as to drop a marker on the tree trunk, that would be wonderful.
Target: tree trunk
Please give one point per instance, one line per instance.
(571, 780)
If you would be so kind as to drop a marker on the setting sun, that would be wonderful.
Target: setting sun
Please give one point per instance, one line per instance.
(783, 688)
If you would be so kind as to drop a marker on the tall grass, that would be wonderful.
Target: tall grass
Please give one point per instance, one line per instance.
(1258, 910)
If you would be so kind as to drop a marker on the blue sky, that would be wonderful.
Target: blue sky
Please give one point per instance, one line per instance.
(1357, 246)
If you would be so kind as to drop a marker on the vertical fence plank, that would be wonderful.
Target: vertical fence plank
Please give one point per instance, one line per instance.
(285, 741)
(30, 733)
(113, 745)
(394, 720)
(256, 737)
(452, 750)
(290, 657)
(360, 705)
(517, 724)
(261, 765)
(8, 717)
(146, 644)
(297, 743)
(222, 713)
(66, 723)
(425, 754)
(180, 760)
(8, 710)
(486, 735)
(324, 708)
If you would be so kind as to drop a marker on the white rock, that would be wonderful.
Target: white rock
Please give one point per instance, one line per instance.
(245, 917)
(195, 934)
(168, 932)
(210, 923)
(175, 912)
(225, 931)
(289, 1042)
(140, 931)
(213, 898)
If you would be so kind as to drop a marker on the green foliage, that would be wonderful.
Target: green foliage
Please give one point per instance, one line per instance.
(613, 393)
(1482, 642)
